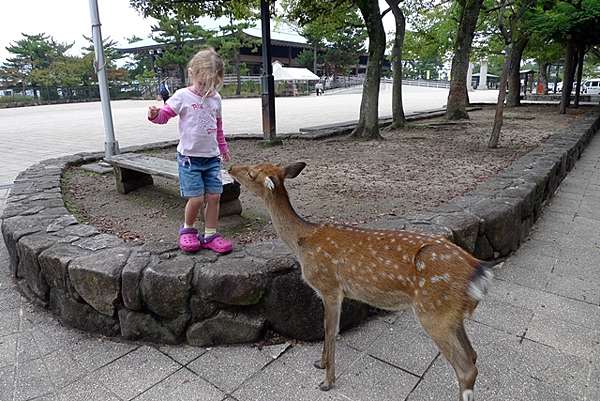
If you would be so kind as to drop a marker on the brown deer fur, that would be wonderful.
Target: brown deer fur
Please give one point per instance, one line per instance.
(387, 269)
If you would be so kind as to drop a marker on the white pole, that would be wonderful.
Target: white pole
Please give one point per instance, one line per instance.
(111, 146)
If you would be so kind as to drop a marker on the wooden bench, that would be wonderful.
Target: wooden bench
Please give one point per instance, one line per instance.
(135, 170)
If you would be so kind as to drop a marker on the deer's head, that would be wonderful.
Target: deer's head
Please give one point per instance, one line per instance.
(265, 179)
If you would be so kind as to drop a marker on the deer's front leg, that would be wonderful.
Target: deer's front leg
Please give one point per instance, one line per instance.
(332, 309)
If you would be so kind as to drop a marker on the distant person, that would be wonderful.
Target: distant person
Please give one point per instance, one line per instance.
(319, 88)
(201, 145)
(164, 91)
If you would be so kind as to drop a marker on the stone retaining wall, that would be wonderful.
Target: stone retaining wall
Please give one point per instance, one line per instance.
(97, 282)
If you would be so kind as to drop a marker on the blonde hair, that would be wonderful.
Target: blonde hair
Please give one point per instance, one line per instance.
(206, 68)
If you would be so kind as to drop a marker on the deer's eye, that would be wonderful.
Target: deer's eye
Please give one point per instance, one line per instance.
(252, 174)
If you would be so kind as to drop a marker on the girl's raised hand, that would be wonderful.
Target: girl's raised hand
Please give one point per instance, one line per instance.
(153, 112)
(225, 156)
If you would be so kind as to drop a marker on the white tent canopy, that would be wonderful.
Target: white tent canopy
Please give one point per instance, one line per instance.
(281, 73)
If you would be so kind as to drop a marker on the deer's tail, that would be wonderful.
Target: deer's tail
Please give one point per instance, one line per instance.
(481, 280)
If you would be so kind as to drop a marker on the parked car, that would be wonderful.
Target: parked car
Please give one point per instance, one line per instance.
(591, 86)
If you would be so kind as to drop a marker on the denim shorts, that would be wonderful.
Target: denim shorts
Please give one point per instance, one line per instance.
(199, 175)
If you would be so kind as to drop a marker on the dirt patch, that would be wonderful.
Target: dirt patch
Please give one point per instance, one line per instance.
(414, 169)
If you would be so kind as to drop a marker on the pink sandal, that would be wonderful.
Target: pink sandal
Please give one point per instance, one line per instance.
(217, 243)
(188, 240)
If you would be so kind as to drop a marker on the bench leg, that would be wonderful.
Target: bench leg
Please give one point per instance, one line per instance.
(128, 180)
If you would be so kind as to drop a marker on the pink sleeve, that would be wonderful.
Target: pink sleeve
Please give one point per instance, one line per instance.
(165, 113)
(223, 147)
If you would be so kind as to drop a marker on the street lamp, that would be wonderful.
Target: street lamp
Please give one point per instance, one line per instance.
(111, 146)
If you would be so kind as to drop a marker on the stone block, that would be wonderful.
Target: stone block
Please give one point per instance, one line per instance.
(97, 278)
(226, 328)
(28, 249)
(54, 261)
(142, 326)
(166, 286)
(131, 277)
(293, 309)
(81, 316)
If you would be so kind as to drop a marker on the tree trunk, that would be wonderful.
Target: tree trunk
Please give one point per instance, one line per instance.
(580, 56)
(567, 87)
(556, 78)
(498, 118)
(238, 77)
(368, 123)
(399, 120)
(457, 102)
(315, 59)
(543, 77)
(513, 98)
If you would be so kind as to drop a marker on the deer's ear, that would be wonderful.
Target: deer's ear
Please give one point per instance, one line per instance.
(269, 183)
(293, 170)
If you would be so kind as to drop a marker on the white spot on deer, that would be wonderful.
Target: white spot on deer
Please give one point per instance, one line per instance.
(455, 253)
(421, 282)
(437, 241)
(393, 240)
(433, 256)
(420, 265)
(400, 277)
(406, 258)
(399, 248)
(448, 246)
(386, 247)
(442, 277)
(445, 257)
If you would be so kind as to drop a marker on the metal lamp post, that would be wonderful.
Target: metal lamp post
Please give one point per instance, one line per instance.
(111, 146)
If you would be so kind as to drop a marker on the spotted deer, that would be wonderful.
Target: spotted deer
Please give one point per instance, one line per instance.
(387, 269)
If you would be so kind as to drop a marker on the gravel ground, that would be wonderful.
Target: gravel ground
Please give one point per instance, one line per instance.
(414, 169)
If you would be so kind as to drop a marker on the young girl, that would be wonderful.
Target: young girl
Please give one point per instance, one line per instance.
(201, 144)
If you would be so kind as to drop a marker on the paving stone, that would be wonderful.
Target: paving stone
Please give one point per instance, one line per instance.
(300, 359)
(371, 379)
(547, 303)
(183, 354)
(276, 383)
(86, 389)
(503, 316)
(556, 369)
(7, 382)
(575, 287)
(183, 385)
(228, 367)
(568, 337)
(9, 322)
(32, 380)
(363, 336)
(8, 350)
(95, 352)
(62, 368)
(136, 372)
(530, 271)
(405, 345)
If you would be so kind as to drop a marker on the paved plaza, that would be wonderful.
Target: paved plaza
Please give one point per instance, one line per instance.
(537, 332)
(30, 134)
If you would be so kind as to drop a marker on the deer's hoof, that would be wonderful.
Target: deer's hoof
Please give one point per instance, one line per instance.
(317, 364)
(325, 387)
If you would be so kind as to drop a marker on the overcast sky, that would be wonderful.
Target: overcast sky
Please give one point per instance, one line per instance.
(68, 20)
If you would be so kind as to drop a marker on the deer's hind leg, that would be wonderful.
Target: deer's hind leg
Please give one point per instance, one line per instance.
(332, 305)
(452, 341)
